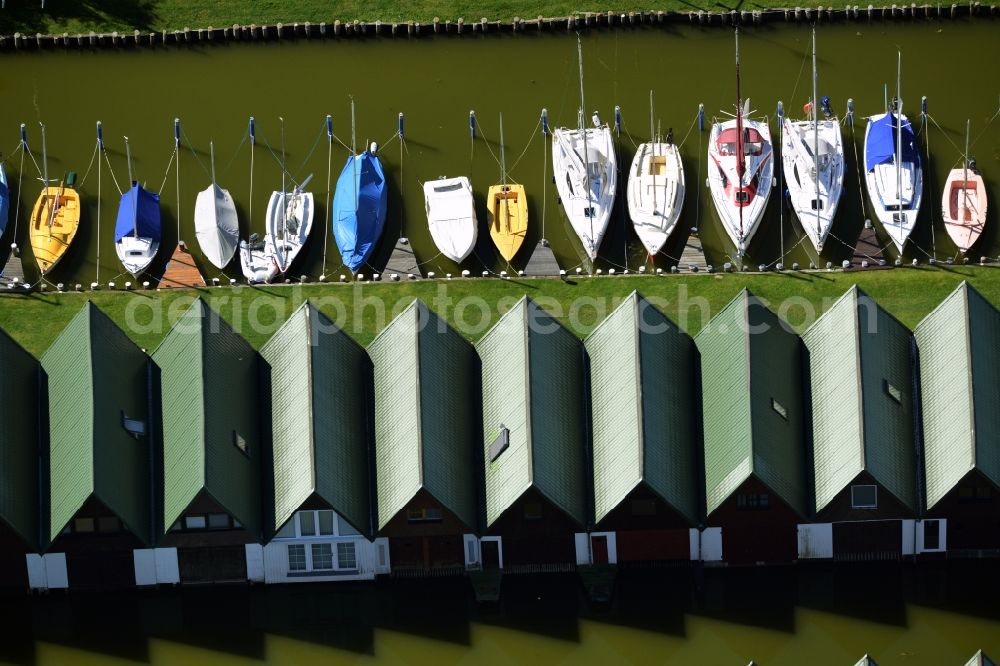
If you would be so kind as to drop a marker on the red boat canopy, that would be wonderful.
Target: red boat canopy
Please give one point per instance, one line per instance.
(753, 142)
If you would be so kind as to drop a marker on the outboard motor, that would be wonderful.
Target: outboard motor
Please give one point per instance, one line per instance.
(972, 165)
(670, 136)
(596, 119)
(255, 242)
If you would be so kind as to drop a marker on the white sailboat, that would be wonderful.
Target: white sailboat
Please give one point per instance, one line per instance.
(813, 161)
(892, 169)
(586, 173)
(137, 230)
(740, 169)
(215, 223)
(655, 189)
(451, 216)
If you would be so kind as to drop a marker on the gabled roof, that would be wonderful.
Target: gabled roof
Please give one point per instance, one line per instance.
(643, 406)
(319, 380)
(980, 659)
(210, 403)
(859, 357)
(96, 376)
(959, 349)
(533, 387)
(866, 661)
(751, 369)
(19, 412)
(423, 373)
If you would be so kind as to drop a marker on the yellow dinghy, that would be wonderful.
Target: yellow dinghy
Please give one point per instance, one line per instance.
(54, 221)
(507, 214)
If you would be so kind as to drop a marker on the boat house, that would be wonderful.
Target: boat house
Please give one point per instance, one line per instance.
(753, 411)
(424, 432)
(533, 445)
(644, 415)
(860, 364)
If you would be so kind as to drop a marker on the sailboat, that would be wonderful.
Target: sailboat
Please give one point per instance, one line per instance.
(55, 217)
(741, 169)
(507, 210)
(892, 169)
(963, 204)
(655, 190)
(585, 167)
(288, 223)
(813, 160)
(137, 230)
(215, 223)
(359, 205)
(451, 216)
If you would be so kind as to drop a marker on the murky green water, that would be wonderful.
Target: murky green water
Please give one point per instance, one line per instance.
(435, 82)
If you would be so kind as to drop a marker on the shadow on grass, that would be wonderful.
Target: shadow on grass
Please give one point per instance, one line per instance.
(29, 17)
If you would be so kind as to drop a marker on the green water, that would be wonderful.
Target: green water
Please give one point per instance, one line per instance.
(435, 82)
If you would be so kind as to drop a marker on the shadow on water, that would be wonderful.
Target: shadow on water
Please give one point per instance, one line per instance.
(236, 620)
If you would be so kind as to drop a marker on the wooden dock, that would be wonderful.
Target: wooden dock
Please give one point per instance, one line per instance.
(402, 261)
(542, 262)
(12, 270)
(867, 248)
(181, 270)
(693, 254)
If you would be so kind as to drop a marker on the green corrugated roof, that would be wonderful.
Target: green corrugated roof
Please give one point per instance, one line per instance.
(96, 375)
(318, 380)
(980, 659)
(423, 374)
(643, 408)
(959, 345)
(856, 351)
(209, 397)
(749, 359)
(19, 405)
(532, 385)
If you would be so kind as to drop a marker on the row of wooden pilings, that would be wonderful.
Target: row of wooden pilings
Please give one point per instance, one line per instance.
(339, 29)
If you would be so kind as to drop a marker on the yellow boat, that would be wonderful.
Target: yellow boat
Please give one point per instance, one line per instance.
(507, 214)
(54, 221)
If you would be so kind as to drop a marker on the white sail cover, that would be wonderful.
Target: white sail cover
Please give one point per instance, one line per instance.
(804, 169)
(586, 183)
(216, 225)
(451, 216)
(655, 193)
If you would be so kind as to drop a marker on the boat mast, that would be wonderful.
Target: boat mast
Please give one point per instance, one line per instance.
(965, 167)
(135, 195)
(816, 138)
(740, 157)
(355, 171)
(653, 138)
(215, 188)
(503, 178)
(45, 160)
(899, 142)
(284, 199)
(589, 212)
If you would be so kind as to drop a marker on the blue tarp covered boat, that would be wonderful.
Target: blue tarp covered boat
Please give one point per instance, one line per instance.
(880, 147)
(137, 230)
(359, 207)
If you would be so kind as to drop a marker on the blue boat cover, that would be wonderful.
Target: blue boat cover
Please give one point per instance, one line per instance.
(4, 200)
(145, 215)
(359, 206)
(881, 145)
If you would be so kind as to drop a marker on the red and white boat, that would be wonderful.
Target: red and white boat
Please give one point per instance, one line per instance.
(963, 204)
(740, 169)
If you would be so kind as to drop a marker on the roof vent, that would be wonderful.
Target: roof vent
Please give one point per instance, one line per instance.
(500, 443)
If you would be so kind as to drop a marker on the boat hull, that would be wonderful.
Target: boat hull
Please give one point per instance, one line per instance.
(655, 193)
(507, 216)
(815, 214)
(359, 209)
(4, 199)
(289, 223)
(963, 207)
(216, 225)
(897, 214)
(451, 216)
(587, 185)
(51, 233)
(740, 220)
(136, 254)
(259, 262)
(137, 229)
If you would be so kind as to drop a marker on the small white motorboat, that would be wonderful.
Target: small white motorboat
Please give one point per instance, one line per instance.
(451, 216)
(655, 193)
(963, 202)
(215, 222)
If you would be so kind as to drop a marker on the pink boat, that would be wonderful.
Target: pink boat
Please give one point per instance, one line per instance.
(963, 206)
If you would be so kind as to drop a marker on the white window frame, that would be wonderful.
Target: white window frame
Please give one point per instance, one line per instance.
(921, 546)
(316, 536)
(309, 540)
(499, 541)
(855, 505)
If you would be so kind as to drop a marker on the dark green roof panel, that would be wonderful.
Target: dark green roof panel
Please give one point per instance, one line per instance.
(211, 435)
(318, 382)
(984, 320)
(96, 376)
(19, 405)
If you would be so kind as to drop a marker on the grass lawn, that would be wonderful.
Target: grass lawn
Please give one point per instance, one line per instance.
(79, 17)
(473, 305)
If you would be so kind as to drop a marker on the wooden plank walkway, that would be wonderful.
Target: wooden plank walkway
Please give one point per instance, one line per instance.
(12, 269)
(542, 261)
(867, 248)
(693, 255)
(402, 261)
(181, 270)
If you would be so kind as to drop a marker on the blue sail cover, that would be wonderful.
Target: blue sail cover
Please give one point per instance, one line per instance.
(881, 146)
(146, 213)
(358, 223)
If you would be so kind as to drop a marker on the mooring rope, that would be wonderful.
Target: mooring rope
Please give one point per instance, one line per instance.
(236, 153)
(17, 207)
(89, 166)
(166, 174)
(329, 177)
(927, 143)
(104, 150)
(190, 145)
(531, 140)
